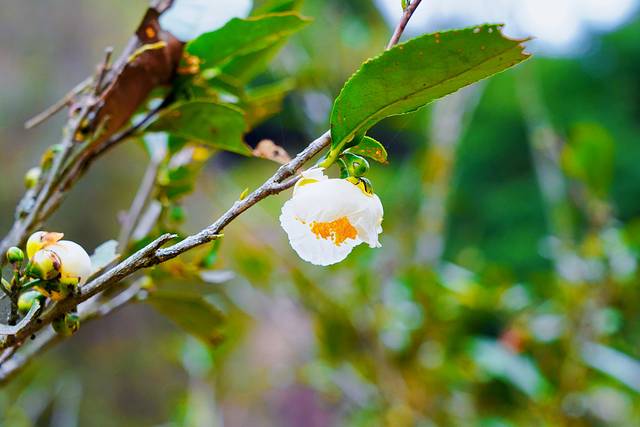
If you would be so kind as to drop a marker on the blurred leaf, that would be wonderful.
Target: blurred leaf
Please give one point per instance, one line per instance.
(175, 144)
(104, 255)
(502, 363)
(265, 101)
(618, 365)
(156, 144)
(193, 313)
(217, 276)
(274, 6)
(212, 255)
(588, 157)
(243, 36)
(371, 148)
(417, 72)
(216, 125)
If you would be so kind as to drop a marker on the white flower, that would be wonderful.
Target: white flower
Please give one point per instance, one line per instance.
(47, 252)
(326, 218)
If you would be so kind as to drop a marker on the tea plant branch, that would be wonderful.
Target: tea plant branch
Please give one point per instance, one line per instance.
(131, 218)
(10, 365)
(58, 105)
(404, 20)
(154, 254)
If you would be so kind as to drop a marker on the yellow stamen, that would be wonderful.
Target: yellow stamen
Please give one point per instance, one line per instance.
(338, 231)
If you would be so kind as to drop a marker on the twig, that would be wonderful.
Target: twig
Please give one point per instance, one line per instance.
(137, 206)
(103, 70)
(406, 16)
(59, 105)
(12, 330)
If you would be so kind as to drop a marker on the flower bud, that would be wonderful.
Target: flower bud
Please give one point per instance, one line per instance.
(32, 177)
(75, 264)
(15, 255)
(355, 165)
(67, 324)
(26, 300)
(44, 265)
(40, 240)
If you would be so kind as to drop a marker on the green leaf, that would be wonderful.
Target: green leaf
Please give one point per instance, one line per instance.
(274, 6)
(245, 67)
(216, 125)
(370, 148)
(193, 313)
(265, 101)
(413, 74)
(244, 36)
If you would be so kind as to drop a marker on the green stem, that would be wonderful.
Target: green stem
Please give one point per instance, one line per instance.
(332, 155)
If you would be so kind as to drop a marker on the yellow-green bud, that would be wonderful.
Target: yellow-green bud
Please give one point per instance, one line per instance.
(32, 177)
(15, 255)
(66, 325)
(355, 165)
(26, 300)
(44, 265)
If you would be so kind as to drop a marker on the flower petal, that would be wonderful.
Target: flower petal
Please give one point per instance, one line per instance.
(309, 246)
(74, 260)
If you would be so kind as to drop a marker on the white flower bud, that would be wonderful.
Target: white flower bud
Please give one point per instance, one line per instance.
(39, 240)
(75, 264)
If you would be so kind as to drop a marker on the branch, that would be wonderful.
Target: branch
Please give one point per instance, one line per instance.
(11, 364)
(406, 17)
(130, 219)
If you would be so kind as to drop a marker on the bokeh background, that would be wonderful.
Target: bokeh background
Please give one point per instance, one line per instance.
(505, 294)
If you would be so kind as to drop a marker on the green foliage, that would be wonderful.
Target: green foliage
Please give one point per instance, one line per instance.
(265, 101)
(243, 36)
(588, 156)
(418, 72)
(369, 147)
(193, 313)
(511, 325)
(275, 6)
(216, 125)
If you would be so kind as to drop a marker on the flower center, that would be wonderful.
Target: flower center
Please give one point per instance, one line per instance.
(338, 230)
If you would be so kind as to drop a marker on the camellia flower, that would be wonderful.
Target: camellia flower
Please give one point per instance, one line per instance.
(326, 218)
(49, 254)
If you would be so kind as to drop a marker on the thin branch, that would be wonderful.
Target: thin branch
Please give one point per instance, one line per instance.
(59, 105)
(406, 16)
(12, 330)
(132, 217)
(104, 68)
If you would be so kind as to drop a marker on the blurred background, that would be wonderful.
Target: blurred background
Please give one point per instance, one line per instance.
(505, 294)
